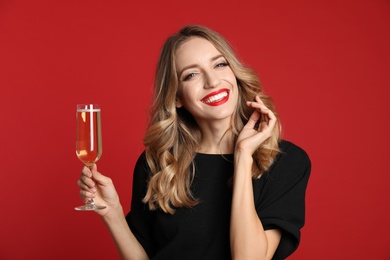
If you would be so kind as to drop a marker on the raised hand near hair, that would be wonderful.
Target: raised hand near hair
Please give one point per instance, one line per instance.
(99, 187)
(258, 128)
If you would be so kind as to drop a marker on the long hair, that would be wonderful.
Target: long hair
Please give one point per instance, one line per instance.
(172, 137)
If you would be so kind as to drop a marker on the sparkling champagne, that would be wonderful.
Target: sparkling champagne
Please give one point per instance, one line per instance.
(88, 135)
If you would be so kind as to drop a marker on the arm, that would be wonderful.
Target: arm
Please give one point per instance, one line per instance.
(247, 236)
(99, 187)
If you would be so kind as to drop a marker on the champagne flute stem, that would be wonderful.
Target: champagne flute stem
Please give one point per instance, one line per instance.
(90, 202)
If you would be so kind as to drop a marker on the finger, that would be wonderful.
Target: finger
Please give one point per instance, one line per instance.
(262, 108)
(100, 178)
(266, 127)
(253, 120)
(86, 195)
(85, 187)
(264, 131)
(258, 104)
(258, 99)
(263, 114)
(87, 172)
(87, 181)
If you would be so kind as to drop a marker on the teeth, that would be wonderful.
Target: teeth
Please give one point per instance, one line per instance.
(216, 97)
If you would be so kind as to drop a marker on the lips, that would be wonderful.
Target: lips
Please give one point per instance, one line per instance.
(216, 98)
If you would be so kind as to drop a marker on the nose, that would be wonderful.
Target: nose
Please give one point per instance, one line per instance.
(211, 80)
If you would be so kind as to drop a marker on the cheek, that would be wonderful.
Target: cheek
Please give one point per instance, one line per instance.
(189, 92)
(235, 97)
(179, 98)
(185, 97)
(236, 94)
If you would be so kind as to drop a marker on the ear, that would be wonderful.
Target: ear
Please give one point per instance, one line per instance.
(178, 103)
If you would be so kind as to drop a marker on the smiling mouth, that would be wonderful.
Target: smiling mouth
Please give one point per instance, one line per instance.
(215, 99)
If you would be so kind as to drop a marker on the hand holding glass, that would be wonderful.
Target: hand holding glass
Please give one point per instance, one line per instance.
(88, 141)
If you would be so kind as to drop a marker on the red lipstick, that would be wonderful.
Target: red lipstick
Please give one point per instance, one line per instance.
(216, 98)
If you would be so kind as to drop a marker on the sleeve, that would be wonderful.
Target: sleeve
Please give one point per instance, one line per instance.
(140, 218)
(281, 200)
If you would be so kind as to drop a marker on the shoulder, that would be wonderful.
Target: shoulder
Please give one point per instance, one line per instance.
(141, 159)
(141, 169)
(292, 152)
(291, 162)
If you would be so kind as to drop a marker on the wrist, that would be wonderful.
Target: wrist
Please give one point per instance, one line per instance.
(243, 165)
(113, 214)
(242, 157)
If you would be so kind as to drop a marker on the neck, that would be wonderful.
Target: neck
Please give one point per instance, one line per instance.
(216, 141)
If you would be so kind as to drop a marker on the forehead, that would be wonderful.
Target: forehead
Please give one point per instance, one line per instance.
(194, 50)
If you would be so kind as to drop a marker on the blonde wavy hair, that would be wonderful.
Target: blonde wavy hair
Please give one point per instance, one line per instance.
(172, 137)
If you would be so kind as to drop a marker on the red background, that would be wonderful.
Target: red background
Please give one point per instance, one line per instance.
(326, 64)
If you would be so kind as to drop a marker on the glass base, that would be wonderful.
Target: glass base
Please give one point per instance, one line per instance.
(89, 207)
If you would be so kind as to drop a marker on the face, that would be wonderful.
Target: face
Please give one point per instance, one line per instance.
(207, 86)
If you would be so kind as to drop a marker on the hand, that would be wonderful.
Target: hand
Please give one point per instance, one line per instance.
(98, 187)
(258, 128)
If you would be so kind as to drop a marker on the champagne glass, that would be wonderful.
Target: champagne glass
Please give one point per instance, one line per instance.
(88, 141)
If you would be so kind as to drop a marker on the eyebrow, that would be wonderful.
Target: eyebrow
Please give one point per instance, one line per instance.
(195, 65)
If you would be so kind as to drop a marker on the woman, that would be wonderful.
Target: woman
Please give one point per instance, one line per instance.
(215, 181)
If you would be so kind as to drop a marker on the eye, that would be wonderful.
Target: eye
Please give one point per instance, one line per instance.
(221, 64)
(189, 76)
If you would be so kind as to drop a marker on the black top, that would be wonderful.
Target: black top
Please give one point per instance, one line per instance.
(202, 232)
